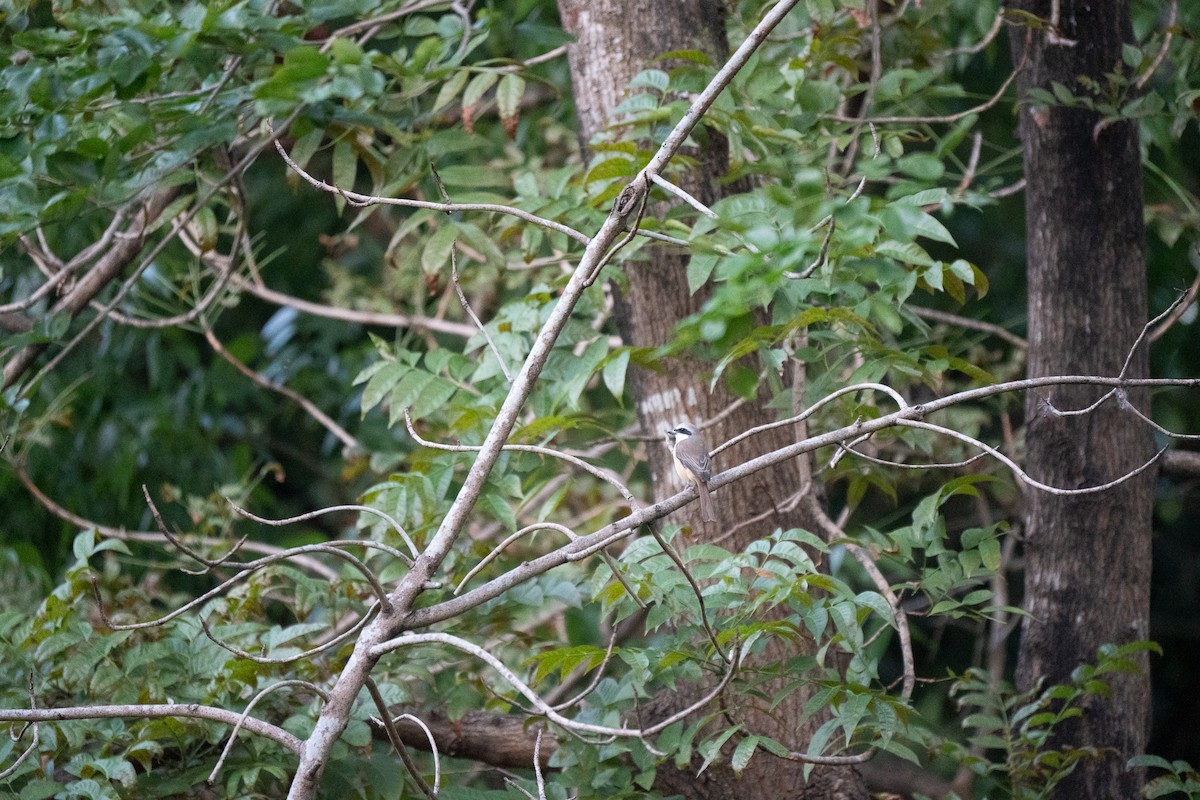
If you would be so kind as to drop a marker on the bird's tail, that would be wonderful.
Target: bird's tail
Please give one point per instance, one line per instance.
(706, 506)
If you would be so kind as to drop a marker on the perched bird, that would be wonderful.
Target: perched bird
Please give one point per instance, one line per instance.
(693, 464)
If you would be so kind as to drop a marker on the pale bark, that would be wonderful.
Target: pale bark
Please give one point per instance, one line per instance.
(614, 40)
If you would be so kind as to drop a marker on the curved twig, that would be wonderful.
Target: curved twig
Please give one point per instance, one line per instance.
(212, 776)
(495, 551)
(326, 421)
(591, 469)
(808, 412)
(334, 642)
(1019, 473)
(356, 198)
(276, 523)
(462, 298)
(389, 725)
(541, 705)
(151, 537)
(383, 319)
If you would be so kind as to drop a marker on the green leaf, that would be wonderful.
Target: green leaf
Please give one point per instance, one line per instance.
(989, 551)
(614, 372)
(450, 90)
(508, 95)
(345, 169)
(478, 87)
(876, 602)
(1062, 93)
(929, 227)
(581, 369)
(566, 660)
(381, 382)
(711, 749)
(346, 51)
(475, 176)
(907, 253)
(612, 168)
(436, 254)
(923, 166)
(651, 78)
(742, 753)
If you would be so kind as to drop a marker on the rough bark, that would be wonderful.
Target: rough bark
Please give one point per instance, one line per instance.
(1088, 557)
(499, 740)
(615, 39)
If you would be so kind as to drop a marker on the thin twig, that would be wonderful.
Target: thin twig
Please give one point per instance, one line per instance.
(380, 318)
(152, 537)
(310, 408)
(33, 745)
(386, 517)
(684, 196)
(306, 654)
(408, 639)
(394, 737)
(1140, 83)
(687, 574)
(967, 322)
(212, 776)
(591, 469)
(355, 198)
(462, 298)
(948, 118)
(1020, 473)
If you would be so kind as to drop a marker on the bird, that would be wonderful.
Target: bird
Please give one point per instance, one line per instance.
(693, 463)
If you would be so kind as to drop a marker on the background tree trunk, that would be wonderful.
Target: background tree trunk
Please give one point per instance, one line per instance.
(615, 39)
(1088, 557)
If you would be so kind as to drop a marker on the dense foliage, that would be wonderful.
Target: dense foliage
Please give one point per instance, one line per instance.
(248, 278)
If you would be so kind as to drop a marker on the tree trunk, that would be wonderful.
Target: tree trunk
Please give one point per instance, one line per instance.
(1088, 557)
(615, 39)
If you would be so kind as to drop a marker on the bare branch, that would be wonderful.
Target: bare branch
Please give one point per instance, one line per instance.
(537, 765)
(591, 469)
(65, 271)
(1182, 308)
(1020, 473)
(684, 196)
(100, 275)
(858, 387)
(156, 711)
(587, 545)
(498, 549)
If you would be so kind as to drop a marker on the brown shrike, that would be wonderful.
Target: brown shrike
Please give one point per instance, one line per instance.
(693, 464)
